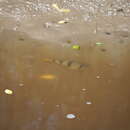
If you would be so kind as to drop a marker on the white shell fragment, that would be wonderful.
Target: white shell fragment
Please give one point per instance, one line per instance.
(9, 92)
(70, 116)
(88, 103)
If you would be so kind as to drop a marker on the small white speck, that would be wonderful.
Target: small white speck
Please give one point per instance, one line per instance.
(98, 77)
(84, 89)
(57, 105)
(88, 103)
(21, 84)
(70, 116)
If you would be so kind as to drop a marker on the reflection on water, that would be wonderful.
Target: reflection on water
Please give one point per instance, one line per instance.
(44, 93)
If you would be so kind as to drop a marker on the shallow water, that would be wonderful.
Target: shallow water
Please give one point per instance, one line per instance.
(45, 92)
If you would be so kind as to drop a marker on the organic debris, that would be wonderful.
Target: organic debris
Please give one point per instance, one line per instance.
(48, 76)
(60, 10)
(8, 91)
(47, 60)
(99, 43)
(74, 65)
(62, 22)
(70, 116)
(88, 103)
(76, 47)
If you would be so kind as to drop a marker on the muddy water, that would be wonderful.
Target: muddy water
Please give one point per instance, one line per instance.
(98, 95)
(43, 90)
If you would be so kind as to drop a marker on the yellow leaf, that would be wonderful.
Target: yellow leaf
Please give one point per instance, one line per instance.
(76, 47)
(48, 77)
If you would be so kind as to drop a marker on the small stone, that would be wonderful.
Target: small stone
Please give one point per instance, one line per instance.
(8, 91)
(66, 63)
(88, 103)
(83, 66)
(21, 84)
(120, 10)
(84, 89)
(21, 39)
(69, 41)
(107, 33)
(98, 77)
(62, 22)
(75, 65)
(103, 50)
(57, 105)
(70, 116)
(58, 62)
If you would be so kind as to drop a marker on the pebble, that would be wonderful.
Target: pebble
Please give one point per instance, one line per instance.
(107, 33)
(9, 92)
(75, 65)
(84, 89)
(70, 64)
(88, 103)
(66, 63)
(58, 62)
(70, 116)
(103, 50)
(21, 39)
(57, 105)
(98, 77)
(21, 84)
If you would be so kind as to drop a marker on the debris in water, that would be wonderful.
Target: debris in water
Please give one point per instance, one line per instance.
(84, 89)
(70, 116)
(99, 43)
(98, 77)
(107, 33)
(75, 65)
(55, 6)
(21, 39)
(88, 103)
(8, 91)
(48, 60)
(62, 22)
(76, 47)
(21, 84)
(103, 50)
(58, 62)
(57, 105)
(65, 10)
(70, 64)
(48, 77)
(60, 10)
(69, 41)
(66, 63)
(120, 10)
